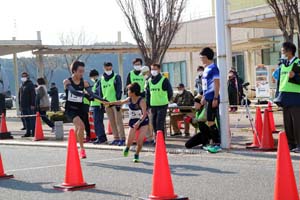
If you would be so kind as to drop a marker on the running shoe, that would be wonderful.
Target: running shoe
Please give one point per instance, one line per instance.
(114, 142)
(82, 154)
(214, 149)
(125, 152)
(206, 147)
(136, 158)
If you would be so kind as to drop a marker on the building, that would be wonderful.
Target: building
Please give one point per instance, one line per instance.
(256, 40)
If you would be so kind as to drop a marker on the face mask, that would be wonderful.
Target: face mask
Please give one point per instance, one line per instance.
(180, 91)
(200, 73)
(108, 72)
(137, 67)
(23, 79)
(93, 80)
(283, 56)
(154, 72)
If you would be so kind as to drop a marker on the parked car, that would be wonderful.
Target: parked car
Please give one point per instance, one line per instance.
(9, 100)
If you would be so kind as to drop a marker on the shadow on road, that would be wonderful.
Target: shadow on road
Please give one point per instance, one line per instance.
(26, 186)
(97, 191)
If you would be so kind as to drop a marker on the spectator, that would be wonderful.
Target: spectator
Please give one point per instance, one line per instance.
(183, 98)
(97, 109)
(211, 88)
(42, 102)
(135, 75)
(27, 103)
(111, 90)
(234, 88)
(198, 81)
(158, 94)
(289, 92)
(53, 93)
(4, 90)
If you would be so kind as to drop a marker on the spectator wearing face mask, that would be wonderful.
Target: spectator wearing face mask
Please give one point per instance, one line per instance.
(111, 90)
(198, 80)
(158, 94)
(183, 98)
(136, 76)
(27, 97)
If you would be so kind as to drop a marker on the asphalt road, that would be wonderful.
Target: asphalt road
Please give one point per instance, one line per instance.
(226, 176)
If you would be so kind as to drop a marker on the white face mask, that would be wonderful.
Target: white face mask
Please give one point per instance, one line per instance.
(108, 72)
(180, 91)
(137, 67)
(24, 79)
(200, 73)
(154, 72)
(283, 56)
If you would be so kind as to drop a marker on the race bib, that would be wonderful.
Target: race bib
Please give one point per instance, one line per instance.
(74, 98)
(204, 84)
(135, 114)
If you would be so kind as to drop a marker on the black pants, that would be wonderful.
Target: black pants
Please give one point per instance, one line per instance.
(2, 104)
(202, 137)
(45, 119)
(291, 119)
(159, 115)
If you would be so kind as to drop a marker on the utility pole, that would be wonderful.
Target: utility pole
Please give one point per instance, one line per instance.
(220, 17)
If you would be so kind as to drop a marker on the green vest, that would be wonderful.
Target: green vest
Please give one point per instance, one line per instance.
(137, 79)
(285, 85)
(158, 97)
(86, 101)
(108, 89)
(95, 103)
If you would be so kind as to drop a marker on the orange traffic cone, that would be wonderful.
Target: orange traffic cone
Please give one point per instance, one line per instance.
(39, 134)
(257, 134)
(4, 134)
(271, 118)
(92, 127)
(267, 141)
(285, 183)
(74, 178)
(108, 130)
(162, 186)
(2, 174)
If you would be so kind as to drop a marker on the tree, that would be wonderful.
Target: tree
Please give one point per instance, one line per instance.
(162, 21)
(74, 39)
(285, 13)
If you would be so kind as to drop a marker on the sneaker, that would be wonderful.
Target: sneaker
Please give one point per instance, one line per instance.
(87, 139)
(125, 152)
(27, 135)
(121, 143)
(82, 154)
(206, 147)
(296, 150)
(136, 158)
(176, 134)
(114, 142)
(22, 129)
(214, 149)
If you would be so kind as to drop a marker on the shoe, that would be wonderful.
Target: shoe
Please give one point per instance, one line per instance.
(296, 150)
(53, 130)
(22, 129)
(125, 151)
(136, 158)
(148, 142)
(87, 140)
(27, 135)
(176, 134)
(98, 141)
(292, 146)
(121, 143)
(214, 149)
(82, 154)
(114, 142)
(206, 147)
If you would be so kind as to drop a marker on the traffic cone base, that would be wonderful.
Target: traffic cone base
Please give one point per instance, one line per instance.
(6, 176)
(7, 135)
(66, 187)
(4, 133)
(162, 198)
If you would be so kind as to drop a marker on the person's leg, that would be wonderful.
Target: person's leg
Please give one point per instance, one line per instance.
(140, 140)
(149, 133)
(186, 127)
(288, 127)
(32, 121)
(101, 125)
(211, 116)
(295, 111)
(79, 129)
(112, 120)
(86, 125)
(130, 139)
(27, 122)
(120, 125)
(45, 119)
(174, 122)
(161, 119)
(154, 120)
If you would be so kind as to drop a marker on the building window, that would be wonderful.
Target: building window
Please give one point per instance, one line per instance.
(177, 72)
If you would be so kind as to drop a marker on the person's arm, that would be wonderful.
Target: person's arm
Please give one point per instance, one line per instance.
(118, 87)
(120, 102)
(167, 87)
(32, 96)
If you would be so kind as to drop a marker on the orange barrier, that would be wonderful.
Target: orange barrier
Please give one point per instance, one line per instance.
(2, 174)
(39, 134)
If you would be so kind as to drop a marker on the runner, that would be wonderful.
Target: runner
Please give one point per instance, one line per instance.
(138, 118)
(76, 89)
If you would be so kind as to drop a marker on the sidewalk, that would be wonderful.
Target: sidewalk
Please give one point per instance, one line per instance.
(240, 136)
